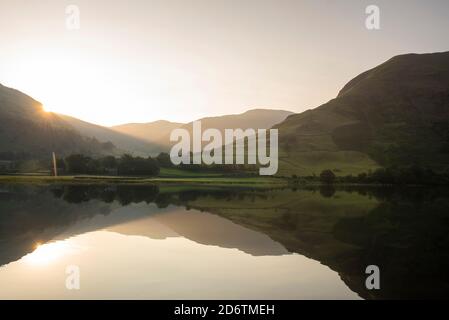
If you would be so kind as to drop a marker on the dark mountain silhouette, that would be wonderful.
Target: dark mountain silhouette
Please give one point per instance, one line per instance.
(27, 129)
(394, 114)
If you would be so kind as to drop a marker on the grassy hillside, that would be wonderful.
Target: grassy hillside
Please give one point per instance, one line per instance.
(394, 114)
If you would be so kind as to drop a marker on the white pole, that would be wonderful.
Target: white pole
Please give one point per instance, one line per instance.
(55, 167)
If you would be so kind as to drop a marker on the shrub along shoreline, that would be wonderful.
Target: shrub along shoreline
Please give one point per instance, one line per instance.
(128, 169)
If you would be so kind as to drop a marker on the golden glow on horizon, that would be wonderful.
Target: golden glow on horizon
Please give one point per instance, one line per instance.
(180, 62)
(102, 91)
(47, 253)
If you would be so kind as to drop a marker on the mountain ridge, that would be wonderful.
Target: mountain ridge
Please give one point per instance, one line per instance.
(27, 129)
(394, 114)
(257, 118)
(124, 142)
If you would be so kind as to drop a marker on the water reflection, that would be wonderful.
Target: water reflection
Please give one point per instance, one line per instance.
(224, 243)
(174, 268)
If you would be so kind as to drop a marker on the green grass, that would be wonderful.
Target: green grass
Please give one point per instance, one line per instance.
(243, 181)
(177, 173)
(309, 163)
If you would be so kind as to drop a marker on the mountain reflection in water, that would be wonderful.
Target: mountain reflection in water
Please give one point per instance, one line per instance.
(190, 242)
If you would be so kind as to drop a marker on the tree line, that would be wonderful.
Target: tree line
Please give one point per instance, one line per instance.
(231, 169)
(110, 165)
(407, 175)
(411, 175)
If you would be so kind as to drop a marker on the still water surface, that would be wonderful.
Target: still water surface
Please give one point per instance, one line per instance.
(194, 243)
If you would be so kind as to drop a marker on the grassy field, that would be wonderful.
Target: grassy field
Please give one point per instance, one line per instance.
(178, 173)
(342, 163)
(84, 179)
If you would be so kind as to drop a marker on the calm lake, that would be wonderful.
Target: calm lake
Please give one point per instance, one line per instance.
(190, 242)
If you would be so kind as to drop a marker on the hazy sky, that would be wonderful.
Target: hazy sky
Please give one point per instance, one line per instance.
(139, 61)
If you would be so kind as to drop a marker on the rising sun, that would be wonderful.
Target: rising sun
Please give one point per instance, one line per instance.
(46, 109)
(50, 252)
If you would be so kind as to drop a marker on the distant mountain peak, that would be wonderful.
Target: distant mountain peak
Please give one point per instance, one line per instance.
(159, 131)
(267, 110)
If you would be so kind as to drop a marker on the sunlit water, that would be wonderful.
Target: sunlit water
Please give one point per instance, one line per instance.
(148, 259)
(114, 266)
(144, 243)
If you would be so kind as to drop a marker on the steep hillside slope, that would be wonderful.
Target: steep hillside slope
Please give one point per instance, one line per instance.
(394, 114)
(27, 129)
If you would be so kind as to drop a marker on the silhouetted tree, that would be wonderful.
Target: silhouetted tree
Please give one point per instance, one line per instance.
(138, 166)
(77, 163)
(327, 176)
(164, 160)
(126, 165)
